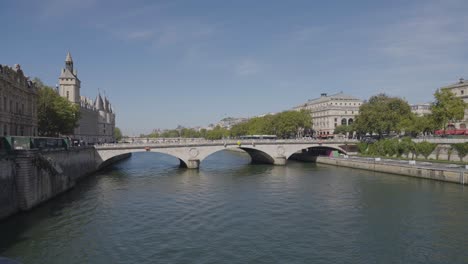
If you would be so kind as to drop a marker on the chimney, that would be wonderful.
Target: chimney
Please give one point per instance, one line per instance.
(461, 80)
(323, 95)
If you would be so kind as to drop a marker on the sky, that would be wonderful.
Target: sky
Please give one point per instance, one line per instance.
(190, 63)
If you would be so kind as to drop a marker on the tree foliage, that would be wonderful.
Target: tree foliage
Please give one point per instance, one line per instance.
(117, 134)
(447, 108)
(381, 115)
(414, 125)
(461, 148)
(395, 147)
(284, 125)
(56, 115)
(425, 148)
(343, 129)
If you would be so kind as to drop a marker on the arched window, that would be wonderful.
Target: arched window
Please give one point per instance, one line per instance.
(350, 121)
(463, 125)
(343, 121)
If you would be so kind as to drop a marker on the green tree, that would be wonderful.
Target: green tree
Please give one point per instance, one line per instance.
(342, 129)
(461, 148)
(404, 147)
(381, 115)
(217, 133)
(284, 125)
(362, 147)
(117, 134)
(426, 148)
(56, 115)
(390, 147)
(447, 108)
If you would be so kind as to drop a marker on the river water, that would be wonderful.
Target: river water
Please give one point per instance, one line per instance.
(147, 210)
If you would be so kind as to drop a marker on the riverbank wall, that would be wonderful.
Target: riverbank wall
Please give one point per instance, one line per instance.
(439, 174)
(31, 177)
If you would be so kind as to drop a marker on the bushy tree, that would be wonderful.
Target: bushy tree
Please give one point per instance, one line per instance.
(405, 146)
(425, 148)
(283, 125)
(461, 148)
(381, 115)
(56, 115)
(117, 134)
(362, 147)
(217, 133)
(447, 108)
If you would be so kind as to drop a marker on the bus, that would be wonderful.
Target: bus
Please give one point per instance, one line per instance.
(258, 137)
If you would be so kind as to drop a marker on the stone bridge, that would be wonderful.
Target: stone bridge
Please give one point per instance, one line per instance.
(191, 154)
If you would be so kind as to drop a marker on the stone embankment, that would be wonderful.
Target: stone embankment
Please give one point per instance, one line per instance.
(422, 170)
(30, 177)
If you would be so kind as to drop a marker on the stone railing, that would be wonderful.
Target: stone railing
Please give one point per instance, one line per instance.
(185, 142)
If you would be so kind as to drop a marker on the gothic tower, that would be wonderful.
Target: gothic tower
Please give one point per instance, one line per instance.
(69, 84)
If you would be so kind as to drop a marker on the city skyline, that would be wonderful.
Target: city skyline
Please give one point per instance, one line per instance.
(171, 63)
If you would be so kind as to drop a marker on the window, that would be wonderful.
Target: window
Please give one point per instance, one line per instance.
(462, 92)
(343, 121)
(68, 95)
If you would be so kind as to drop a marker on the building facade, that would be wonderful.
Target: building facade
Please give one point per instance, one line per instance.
(421, 109)
(330, 111)
(460, 89)
(97, 122)
(18, 103)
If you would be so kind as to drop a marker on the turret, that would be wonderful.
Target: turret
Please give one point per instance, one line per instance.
(69, 84)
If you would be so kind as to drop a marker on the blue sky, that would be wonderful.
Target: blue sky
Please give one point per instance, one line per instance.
(164, 63)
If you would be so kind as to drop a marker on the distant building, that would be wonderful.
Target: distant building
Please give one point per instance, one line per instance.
(97, 121)
(460, 89)
(330, 111)
(229, 122)
(18, 103)
(421, 109)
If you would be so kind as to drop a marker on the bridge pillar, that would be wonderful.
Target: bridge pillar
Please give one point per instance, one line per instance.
(281, 161)
(193, 164)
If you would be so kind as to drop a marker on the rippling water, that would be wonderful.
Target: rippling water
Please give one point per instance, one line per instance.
(147, 210)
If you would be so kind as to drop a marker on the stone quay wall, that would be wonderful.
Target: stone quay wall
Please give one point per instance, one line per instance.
(454, 176)
(8, 195)
(30, 177)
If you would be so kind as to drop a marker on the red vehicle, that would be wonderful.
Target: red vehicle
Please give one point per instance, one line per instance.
(452, 132)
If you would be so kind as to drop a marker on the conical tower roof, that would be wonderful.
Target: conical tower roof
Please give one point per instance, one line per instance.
(69, 57)
(99, 104)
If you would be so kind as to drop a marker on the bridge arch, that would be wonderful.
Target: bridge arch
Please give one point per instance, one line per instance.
(314, 150)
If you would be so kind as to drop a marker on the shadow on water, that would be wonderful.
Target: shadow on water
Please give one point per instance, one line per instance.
(15, 229)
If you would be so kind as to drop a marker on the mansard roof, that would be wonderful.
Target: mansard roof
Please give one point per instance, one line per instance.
(461, 83)
(338, 96)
